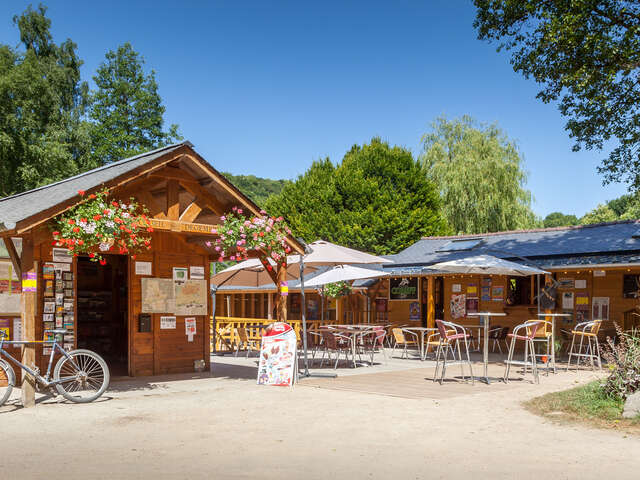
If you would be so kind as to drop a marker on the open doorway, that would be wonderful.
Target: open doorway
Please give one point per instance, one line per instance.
(102, 293)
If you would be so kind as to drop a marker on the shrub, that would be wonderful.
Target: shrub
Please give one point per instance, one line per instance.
(623, 358)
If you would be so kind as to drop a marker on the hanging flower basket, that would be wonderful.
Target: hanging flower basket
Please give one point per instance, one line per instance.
(98, 225)
(239, 235)
(337, 289)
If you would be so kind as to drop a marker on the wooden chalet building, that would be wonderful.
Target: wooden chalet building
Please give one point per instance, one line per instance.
(103, 305)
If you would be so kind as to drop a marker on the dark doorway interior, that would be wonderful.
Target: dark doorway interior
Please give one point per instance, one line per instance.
(102, 310)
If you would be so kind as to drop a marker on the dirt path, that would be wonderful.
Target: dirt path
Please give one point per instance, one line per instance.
(230, 428)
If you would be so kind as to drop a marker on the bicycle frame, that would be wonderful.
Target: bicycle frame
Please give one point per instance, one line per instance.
(39, 378)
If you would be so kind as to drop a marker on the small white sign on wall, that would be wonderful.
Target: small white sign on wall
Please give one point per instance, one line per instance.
(581, 284)
(190, 327)
(167, 323)
(143, 268)
(456, 287)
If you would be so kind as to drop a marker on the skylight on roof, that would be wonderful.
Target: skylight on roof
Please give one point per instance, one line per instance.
(459, 245)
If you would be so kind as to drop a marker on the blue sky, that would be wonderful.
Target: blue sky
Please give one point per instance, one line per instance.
(265, 88)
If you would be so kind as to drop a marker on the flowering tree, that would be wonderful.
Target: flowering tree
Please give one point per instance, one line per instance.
(97, 226)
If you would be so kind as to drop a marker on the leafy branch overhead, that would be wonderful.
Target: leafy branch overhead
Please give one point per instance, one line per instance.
(586, 55)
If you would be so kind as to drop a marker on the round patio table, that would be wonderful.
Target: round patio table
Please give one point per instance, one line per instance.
(553, 334)
(421, 332)
(485, 351)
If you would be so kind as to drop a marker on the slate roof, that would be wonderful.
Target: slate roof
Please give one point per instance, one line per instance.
(24, 205)
(598, 244)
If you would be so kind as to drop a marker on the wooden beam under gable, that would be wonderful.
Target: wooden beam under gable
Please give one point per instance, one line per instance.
(173, 173)
(191, 212)
(13, 255)
(173, 200)
(205, 198)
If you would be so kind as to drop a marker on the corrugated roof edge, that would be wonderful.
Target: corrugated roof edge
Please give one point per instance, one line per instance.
(104, 167)
(532, 230)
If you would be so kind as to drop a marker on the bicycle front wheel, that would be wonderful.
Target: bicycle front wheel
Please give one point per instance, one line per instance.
(82, 376)
(7, 381)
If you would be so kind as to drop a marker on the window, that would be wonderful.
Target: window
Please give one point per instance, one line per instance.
(459, 245)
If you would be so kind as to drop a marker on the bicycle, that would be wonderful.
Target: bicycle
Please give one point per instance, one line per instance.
(80, 376)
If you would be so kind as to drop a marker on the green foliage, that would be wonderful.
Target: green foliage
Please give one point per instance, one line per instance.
(376, 200)
(98, 225)
(623, 360)
(626, 207)
(478, 171)
(256, 188)
(586, 54)
(336, 289)
(42, 102)
(126, 109)
(558, 219)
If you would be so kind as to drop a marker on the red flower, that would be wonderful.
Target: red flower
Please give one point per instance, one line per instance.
(133, 256)
(55, 234)
(81, 192)
(106, 211)
(91, 255)
(71, 221)
(115, 204)
(97, 217)
(80, 242)
(150, 229)
(76, 229)
(54, 243)
(122, 227)
(83, 220)
(103, 261)
(92, 196)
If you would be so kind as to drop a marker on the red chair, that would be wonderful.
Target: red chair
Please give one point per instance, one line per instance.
(530, 328)
(451, 334)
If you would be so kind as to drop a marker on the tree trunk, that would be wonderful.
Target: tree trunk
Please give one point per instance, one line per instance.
(281, 300)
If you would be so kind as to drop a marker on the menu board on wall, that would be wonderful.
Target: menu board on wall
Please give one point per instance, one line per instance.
(404, 288)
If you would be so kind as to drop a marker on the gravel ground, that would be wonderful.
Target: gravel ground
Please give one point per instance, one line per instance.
(225, 426)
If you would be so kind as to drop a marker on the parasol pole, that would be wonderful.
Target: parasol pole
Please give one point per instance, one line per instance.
(304, 319)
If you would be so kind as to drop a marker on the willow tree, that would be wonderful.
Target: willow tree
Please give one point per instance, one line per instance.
(480, 176)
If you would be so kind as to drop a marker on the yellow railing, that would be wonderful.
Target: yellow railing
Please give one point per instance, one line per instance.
(226, 334)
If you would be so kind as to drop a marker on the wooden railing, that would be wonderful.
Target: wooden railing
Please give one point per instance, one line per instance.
(226, 335)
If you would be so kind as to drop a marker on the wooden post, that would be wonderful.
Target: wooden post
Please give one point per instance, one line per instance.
(431, 304)
(281, 300)
(29, 308)
(269, 306)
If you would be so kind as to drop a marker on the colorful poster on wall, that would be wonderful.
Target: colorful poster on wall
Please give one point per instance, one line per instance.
(582, 306)
(456, 287)
(5, 324)
(600, 308)
(486, 281)
(278, 356)
(190, 328)
(381, 305)
(472, 290)
(472, 305)
(403, 288)
(414, 311)
(497, 294)
(485, 294)
(458, 306)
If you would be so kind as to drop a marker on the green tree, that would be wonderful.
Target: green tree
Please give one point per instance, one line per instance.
(376, 200)
(43, 137)
(602, 213)
(479, 174)
(559, 219)
(586, 54)
(126, 110)
(256, 188)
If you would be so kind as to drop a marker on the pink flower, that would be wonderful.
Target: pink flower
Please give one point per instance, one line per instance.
(262, 212)
(217, 249)
(234, 208)
(207, 243)
(221, 259)
(232, 257)
(268, 229)
(240, 211)
(223, 218)
(239, 242)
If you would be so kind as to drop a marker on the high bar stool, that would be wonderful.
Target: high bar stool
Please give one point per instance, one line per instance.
(530, 328)
(544, 335)
(451, 334)
(588, 330)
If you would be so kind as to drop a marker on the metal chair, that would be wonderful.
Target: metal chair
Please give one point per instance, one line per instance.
(588, 330)
(336, 343)
(530, 328)
(450, 336)
(243, 339)
(497, 335)
(400, 338)
(544, 336)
